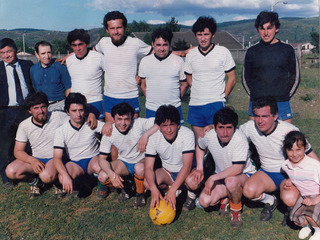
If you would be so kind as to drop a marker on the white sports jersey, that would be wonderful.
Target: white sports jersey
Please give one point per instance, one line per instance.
(79, 143)
(121, 66)
(86, 75)
(269, 146)
(162, 80)
(41, 137)
(236, 152)
(208, 74)
(171, 153)
(127, 143)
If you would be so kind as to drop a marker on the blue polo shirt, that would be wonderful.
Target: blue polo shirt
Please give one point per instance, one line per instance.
(53, 80)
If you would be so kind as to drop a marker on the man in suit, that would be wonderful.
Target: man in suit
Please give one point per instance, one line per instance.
(15, 85)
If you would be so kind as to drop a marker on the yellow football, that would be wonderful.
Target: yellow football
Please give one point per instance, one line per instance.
(163, 214)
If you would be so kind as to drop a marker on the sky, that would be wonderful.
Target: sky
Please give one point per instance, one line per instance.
(66, 15)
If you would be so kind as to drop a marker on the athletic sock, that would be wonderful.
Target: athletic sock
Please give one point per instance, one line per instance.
(34, 181)
(224, 201)
(191, 195)
(265, 198)
(235, 207)
(316, 229)
(139, 183)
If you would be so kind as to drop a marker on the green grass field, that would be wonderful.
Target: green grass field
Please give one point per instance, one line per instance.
(72, 218)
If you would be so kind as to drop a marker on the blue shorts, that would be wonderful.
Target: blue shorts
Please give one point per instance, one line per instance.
(173, 175)
(83, 163)
(276, 177)
(98, 106)
(110, 102)
(150, 114)
(284, 110)
(130, 167)
(201, 116)
(44, 160)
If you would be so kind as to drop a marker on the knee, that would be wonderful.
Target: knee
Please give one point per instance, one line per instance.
(289, 197)
(232, 183)
(139, 169)
(249, 191)
(103, 177)
(191, 184)
(11, 172)
(204, 200)
(47, 177)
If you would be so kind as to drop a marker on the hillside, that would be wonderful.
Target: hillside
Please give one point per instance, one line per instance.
(295, 30)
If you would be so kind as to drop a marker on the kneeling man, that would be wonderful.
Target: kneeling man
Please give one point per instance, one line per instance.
(79, 141)
(175, 146)
(129, 136)
(229, 149)
(38, 130)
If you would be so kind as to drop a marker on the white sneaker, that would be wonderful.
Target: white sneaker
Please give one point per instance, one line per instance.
(315, 236)
(304, 232)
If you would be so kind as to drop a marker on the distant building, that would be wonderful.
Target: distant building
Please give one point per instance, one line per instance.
(221, 38)
(305, 47)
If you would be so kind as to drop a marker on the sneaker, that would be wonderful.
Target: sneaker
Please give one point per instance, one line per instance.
(102, 192)
(59, 192)
(315, 236)
(236, 219)
(34, 191)
(189, 204)
(304, 232)
(266, 213)
(140, 200)
(224, 209)
(124, 196)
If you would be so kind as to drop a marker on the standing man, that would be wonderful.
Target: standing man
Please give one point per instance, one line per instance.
(15, 84)
(162, 77)
(129, 136)
(271, 67)
(230, 151)
(175, 146)
(121, 55)
(267, 134)
(49, 77)
(86, 69)
(206, 67)
(79, 141)
(39, 131)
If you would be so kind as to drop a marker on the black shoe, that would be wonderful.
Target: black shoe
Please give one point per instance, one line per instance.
(286, 215)
(140, 200)
(124, 196)
(266, 213)
(102, 192)
(189, 204)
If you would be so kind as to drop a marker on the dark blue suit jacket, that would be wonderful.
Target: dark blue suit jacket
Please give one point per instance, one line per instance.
(4, 95)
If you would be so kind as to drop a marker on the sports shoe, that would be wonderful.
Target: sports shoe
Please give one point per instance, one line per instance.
(315, 236)
(124, 196)
(304, 232)
(266, 213)
(140, 200)
(102, 192)
(224, 209)
(189, 204)
(35, 187)
(34, 191)
(59, 192)
(236, 219)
